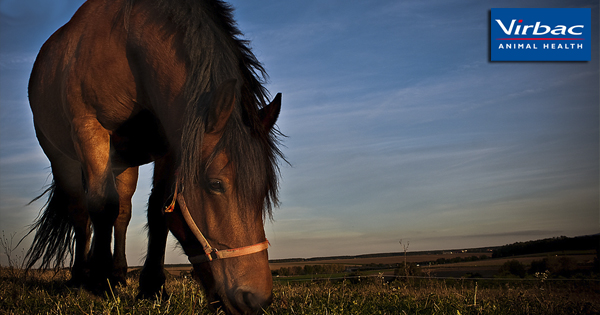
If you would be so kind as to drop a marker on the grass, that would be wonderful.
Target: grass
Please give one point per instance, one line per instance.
(46, 294)
(433, 297)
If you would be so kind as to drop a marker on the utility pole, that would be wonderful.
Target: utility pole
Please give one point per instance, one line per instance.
(405, 247)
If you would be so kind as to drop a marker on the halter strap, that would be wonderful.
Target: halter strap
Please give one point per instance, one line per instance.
(210, 253)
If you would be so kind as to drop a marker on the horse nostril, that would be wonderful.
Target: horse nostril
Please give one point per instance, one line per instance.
(253, 301)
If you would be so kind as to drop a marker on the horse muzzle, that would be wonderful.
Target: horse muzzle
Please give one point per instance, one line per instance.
(251, 301)
(238, 280)
(235, 287)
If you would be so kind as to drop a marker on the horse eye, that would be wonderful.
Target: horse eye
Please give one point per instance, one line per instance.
(216, 186)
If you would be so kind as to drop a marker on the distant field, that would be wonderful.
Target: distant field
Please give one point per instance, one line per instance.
(489, 267)
(177, 269)
(377, 260)
(486, 268)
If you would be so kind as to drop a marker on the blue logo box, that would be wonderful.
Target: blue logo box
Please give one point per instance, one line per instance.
(540, 34)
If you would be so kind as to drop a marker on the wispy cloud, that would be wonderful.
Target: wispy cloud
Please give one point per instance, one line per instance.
(15, 61)
(23, 159)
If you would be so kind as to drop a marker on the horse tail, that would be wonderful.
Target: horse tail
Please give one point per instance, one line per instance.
(54, 231)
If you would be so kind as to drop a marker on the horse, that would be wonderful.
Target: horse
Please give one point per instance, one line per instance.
(170, 82)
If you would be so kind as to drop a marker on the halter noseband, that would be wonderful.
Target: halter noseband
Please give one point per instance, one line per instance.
(210, 253)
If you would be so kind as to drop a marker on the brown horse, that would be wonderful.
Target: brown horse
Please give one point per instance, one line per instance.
(129, 82)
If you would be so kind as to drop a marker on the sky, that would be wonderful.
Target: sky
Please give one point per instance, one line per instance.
(399, 128)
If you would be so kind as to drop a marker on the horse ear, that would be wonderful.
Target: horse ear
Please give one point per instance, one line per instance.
(221, 106)
(269, 114)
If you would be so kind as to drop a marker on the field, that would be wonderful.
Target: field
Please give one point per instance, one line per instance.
(486, 267)
(371, 293)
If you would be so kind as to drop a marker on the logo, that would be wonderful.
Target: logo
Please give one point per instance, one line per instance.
(540, 34)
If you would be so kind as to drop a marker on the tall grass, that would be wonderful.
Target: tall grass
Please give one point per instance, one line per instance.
(433, 297)
(45, 293)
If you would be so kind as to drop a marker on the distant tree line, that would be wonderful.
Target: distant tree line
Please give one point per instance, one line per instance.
(442, 261)
(550, 266)
(309, 270)
(377, 255)
(561, 243)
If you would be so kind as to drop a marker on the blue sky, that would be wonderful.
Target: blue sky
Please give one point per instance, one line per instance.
(399, 127)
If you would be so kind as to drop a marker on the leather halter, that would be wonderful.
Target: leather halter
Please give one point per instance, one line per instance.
(210, 253)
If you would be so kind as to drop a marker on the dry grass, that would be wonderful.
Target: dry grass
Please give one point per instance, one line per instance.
(432, 297)
(46, 294)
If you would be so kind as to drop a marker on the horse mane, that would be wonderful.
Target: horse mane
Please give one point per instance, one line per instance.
(215, 53)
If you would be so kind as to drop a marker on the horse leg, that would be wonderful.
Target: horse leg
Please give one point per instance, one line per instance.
(68, 195)
(103, 207)
(102, 199)
(153, 277)
(126, 184)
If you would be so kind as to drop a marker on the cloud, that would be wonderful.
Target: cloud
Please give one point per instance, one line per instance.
(14, 61)
(35, 156)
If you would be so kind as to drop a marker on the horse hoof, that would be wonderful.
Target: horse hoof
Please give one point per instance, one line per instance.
(75, 283)
(160, 294)
(118, 280)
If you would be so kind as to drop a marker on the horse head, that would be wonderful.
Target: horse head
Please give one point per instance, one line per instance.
(220, 212)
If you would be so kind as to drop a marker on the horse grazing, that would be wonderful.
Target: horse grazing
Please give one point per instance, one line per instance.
(129, 82)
